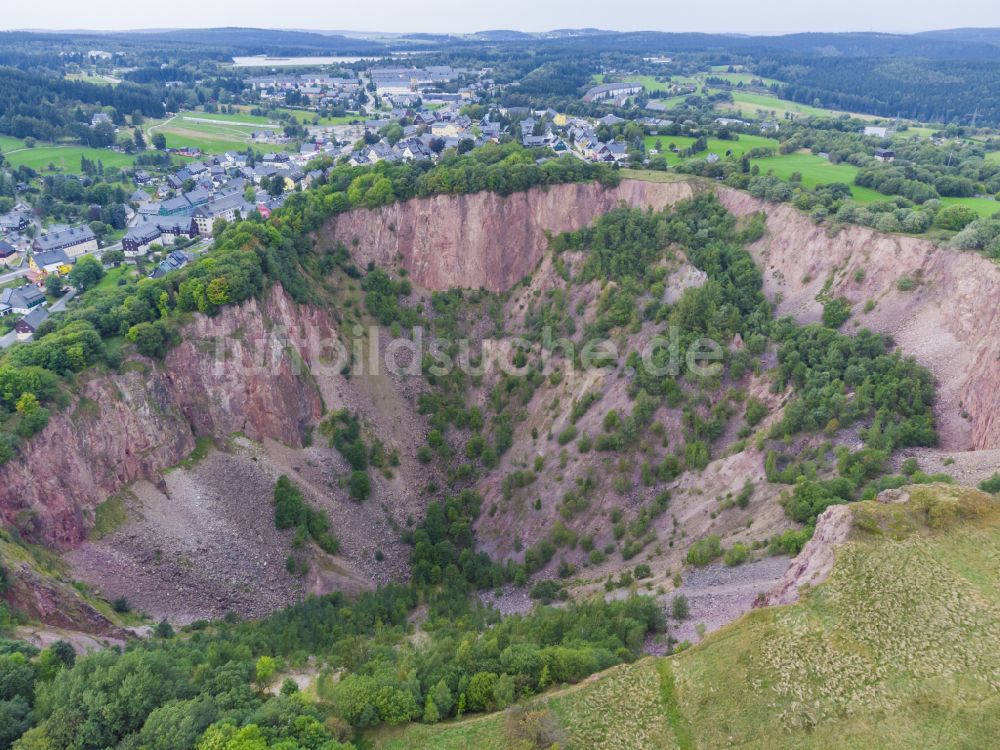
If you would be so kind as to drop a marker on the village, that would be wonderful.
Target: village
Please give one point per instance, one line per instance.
(185, 188)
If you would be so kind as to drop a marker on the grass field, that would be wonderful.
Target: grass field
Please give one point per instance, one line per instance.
(89, 78)
(715, 146)
(110, 279)
(227, 132)
(817, 171)
(672, 101)
(649, 82)
(750, 103)
(307, 118)
(299, 115)
(215, 133)
(744, 78)
(900, 647)
(65, 158)
(212, 137)
(982, 206)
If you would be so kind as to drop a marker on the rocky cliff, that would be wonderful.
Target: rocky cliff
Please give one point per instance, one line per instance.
(233, 373)
(946, 316)
(485, 240)
(948, 321)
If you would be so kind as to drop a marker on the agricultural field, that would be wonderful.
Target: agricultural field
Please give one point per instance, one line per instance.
(215, 133)
(205, 131)
(673, 101)
(918, 130)
(302, 116)
(312, 118)
(744, 78)
(93, 78)
(64, 157)
(649, 82)
(898, 648)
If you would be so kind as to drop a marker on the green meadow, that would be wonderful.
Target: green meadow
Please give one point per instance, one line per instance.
(816, 170)
(750, 103)
(715, 146)
(65, 158)
(985, 207)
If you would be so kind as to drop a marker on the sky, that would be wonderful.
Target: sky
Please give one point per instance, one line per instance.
(731, 16)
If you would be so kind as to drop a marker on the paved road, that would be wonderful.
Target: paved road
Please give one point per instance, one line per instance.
(11, 276)
(60, 304)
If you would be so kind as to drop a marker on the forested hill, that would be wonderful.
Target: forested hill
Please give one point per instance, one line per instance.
(924, 90)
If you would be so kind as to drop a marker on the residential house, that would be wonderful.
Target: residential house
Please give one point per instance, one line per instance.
(156, 230)
(173, 262)
(22, 299)
(25, 328)
(885, 154)
(74, 240)
(15, 221)
(50, 261)
(227, 208)
(137, 240)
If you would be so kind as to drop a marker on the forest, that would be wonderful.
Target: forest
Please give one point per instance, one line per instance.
(45, 108)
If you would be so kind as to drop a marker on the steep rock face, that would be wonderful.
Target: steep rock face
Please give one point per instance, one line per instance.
(485, 240)
(233, 373)
(949, 321)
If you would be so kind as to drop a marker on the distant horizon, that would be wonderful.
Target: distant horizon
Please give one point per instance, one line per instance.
(492, 29)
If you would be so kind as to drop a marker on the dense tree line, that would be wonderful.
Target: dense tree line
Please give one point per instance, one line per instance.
(49, 108)
(923, 90)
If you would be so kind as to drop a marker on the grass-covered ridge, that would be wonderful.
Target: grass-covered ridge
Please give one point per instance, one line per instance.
(900, 647)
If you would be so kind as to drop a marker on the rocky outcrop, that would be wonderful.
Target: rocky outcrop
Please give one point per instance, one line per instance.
(813, 564)
(241, 371)
(485, 240)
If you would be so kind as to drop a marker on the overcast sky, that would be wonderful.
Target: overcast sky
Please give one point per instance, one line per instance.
(739, 16)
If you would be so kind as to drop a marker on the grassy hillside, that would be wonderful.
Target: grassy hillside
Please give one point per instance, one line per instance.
(898, 648)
